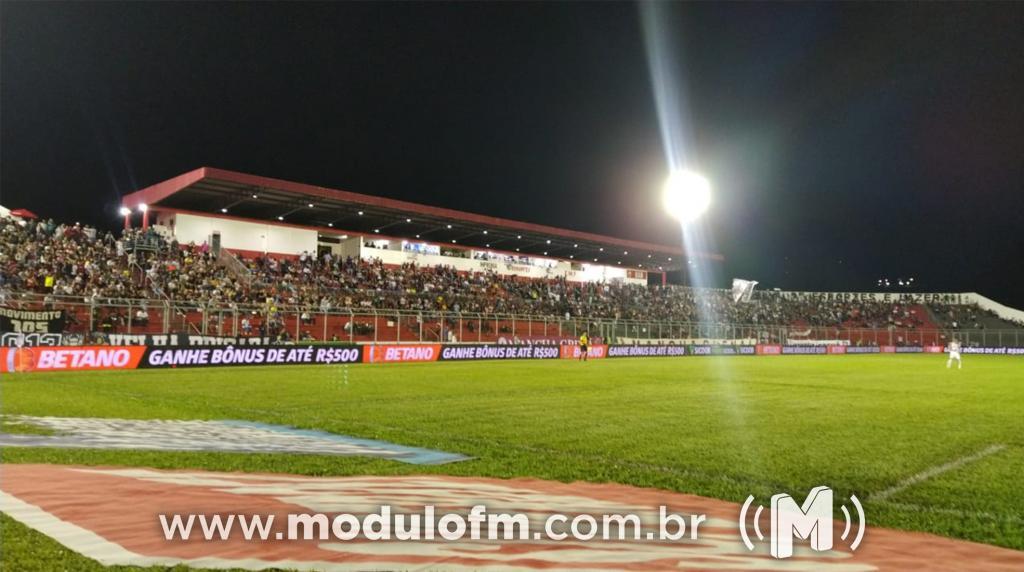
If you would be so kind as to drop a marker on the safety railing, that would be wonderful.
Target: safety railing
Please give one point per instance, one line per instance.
(91, 315)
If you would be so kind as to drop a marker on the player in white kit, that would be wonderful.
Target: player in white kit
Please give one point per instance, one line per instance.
(954, 354)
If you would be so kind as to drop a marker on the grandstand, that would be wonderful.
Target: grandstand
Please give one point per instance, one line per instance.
(235, 255)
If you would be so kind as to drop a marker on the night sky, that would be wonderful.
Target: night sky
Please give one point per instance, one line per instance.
(845, 142)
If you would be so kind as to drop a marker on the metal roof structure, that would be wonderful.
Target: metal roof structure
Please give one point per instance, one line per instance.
(220, 193)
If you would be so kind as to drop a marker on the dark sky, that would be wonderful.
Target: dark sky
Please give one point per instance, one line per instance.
(845, 142)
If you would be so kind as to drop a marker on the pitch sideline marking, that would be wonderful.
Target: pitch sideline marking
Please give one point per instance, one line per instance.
(959, 513)
(935, 471)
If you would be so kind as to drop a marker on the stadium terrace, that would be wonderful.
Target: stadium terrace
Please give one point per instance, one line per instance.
(148, 285)
(260, 215)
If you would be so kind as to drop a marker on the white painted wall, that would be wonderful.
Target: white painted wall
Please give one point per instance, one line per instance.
(241, 235)
(589, 273)
(263, 237)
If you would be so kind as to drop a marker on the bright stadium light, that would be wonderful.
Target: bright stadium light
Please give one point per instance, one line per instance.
(143, 208)
(125, 211)
(686, 195)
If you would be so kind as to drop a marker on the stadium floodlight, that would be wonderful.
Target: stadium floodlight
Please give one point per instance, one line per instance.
(125, 211)
(686, 195)
(143, 207)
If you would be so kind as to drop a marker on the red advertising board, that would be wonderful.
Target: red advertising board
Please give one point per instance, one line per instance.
(595, 351)
(837, 349)
(768, 349)
(56, 358)
(402, 353)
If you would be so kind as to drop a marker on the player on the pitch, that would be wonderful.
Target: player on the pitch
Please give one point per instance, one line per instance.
(584, 342)
(954, 354)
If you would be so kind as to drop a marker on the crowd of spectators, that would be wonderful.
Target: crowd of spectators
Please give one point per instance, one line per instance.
(72, 260)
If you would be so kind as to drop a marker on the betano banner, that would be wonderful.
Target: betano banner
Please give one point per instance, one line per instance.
(84, 358)
(62, 358)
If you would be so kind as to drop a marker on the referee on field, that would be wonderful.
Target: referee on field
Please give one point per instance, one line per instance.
(584, 343)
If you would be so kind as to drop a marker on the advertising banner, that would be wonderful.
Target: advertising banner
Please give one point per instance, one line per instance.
(481, 352)
(31, 322)
(994, 351)
(251, 355)
(646, 351)
(403, 353)
(804, 350)
(595, 351)
(863, 349)
(82, 358)
(44, 358)
(706, 350)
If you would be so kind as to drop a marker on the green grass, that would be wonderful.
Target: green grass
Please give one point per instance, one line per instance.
(721, 427)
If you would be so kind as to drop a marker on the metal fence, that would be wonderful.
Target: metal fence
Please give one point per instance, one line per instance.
(366, 325)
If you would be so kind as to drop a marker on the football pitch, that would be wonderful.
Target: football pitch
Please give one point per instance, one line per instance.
(926, 448)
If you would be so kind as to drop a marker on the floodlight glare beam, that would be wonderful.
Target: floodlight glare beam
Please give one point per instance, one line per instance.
(686, 195)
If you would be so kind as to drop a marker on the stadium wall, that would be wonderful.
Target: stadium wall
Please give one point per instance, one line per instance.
(240, 235)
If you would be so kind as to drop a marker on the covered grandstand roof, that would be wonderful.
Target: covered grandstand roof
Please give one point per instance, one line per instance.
(218, 192)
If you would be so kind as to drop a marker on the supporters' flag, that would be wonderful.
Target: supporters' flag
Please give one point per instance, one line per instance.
(742, 290)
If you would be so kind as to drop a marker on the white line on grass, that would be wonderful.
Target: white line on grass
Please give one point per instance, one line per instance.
(935, 471)
(959, 513)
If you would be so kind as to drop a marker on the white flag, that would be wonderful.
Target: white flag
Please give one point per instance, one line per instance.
(742, 290)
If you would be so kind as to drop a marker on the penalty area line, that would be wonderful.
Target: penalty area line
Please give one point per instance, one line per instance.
(935, 471)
